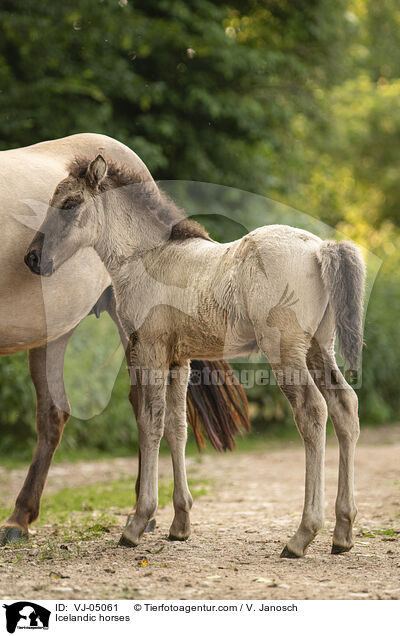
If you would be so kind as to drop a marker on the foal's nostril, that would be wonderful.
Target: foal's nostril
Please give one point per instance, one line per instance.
(32, 260)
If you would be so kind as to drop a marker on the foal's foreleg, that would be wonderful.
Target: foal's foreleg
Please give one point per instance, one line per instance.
(52, 412)
(111, 307)
(343, 406)
(176, 435)
(150, 421)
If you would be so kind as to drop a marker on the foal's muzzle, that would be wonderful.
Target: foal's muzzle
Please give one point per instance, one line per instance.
(33, 259)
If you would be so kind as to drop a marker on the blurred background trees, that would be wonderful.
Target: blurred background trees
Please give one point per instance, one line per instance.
(298, 101)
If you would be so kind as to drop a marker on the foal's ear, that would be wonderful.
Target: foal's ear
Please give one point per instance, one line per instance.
(97, 170)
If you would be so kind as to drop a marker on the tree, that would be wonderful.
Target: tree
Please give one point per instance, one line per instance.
(200, 90)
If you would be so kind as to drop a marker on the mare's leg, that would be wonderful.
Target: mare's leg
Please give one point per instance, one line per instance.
(310, 414)
(343, 410)
(176, 435)
(151, 382)
(52, 412)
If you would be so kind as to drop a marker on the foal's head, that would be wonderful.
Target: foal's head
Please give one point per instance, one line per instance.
(72, 220)
(132, 215)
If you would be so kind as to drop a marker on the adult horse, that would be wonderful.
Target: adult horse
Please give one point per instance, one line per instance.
(42, 319)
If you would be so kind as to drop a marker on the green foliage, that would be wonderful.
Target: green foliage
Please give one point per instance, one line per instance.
(379, 395)
(298, 101)
(199, 89)
(17, 405)
(95, 373)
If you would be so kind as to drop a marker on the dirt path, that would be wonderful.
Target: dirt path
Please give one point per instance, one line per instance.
(238, 532)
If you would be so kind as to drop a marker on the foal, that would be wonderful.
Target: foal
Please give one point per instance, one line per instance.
(180, 295)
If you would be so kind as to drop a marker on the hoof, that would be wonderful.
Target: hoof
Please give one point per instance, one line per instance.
(339, 549)
(126, 543)
(11, 534)
(172, 537)
(151, 526)
(288, 554)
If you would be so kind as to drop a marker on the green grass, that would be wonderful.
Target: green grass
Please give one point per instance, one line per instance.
(273, 437)
(387, 534)
(255, 441)
(91, 510)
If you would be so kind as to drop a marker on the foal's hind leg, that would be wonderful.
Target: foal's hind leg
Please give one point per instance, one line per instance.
(52, 412)
(342, 405)
(310, 414)
(176, 435)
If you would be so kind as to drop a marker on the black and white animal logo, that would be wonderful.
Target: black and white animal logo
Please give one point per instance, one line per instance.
(26, 615)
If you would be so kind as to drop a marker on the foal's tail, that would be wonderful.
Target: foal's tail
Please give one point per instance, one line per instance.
(217, 401)
(343, 274)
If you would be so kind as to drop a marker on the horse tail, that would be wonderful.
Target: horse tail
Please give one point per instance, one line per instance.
(218, 405)
(343, 275)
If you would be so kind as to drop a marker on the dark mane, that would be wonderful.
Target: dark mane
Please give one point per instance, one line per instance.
(117, 176)
(148, 195)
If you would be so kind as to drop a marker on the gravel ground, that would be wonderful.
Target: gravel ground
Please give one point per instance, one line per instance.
(238, 531)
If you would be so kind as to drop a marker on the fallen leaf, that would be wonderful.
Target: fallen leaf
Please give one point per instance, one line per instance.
(214, 576)
(58, 575)
(261, 579)
(156, 551)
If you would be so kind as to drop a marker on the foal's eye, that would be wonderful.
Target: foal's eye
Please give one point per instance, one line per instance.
(69, 205)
